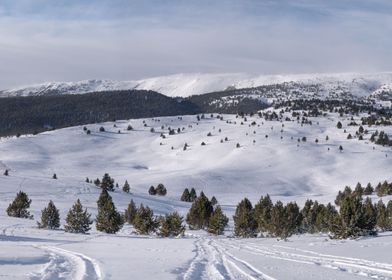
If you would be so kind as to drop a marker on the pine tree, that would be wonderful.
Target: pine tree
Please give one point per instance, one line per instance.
(278, 220)
(214, 201)
(171, 225)
(50, 217)
(126, 188)
(192, 195)
(107, 183)
(130, 212)
(108, 219)
(18, 207)
(369, 219)
(161, 190)
(6, 172)
(144, 221)
(97, 182)
(293, 219)
(200, 213)
(218, 221)
(103, 197)
(54, 176)
(78, 220)
(186, 196)
(244, 222)
(368, 190)
(384, 221)
(262, 213)
(152, 191)
(339, 125)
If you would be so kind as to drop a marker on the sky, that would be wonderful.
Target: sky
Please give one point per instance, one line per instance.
(71, 40)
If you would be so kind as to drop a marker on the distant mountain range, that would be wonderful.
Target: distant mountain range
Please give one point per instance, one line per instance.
(185, 85)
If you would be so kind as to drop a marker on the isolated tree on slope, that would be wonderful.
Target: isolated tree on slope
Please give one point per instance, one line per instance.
(108, 219)
(78, 220)
(244, 222)
(18, 207)
(218, 221)
(126, 188)
(50, 217)
(171, 225)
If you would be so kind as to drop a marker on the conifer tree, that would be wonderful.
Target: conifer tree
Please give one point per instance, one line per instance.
(214, 201)
(293, 219)
(152, 191)
(186, 195)
(384, 221)
(262, 213)
(200, 213)
(54, 176)
(78, 220)
(18, 207)
(126, 188)
(107, 183)
(50, 217)
(130, 212)
(192, 195)
(368, 190)
(108, 219)
(218, 221)
(161, 190)
(171, 225)
(145, 222)
(6, 172)
(244, 222)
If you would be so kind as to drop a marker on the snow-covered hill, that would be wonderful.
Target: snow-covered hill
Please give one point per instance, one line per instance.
(282, 167)
(184, 85)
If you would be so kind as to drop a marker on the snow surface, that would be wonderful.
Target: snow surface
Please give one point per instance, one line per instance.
(184, 85)
(281, 167)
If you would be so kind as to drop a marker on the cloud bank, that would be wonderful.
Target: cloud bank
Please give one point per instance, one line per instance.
(46, 40)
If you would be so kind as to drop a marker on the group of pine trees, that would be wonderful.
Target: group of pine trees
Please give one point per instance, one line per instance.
(206, 214)
(356, 217)
(78, 220)
(160, 189)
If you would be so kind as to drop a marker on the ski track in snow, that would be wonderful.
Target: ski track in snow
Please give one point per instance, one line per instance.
(213, 262)
(65, 264)
(357, 266)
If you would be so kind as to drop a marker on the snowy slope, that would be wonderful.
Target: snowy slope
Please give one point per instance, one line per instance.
(184, 85)
(270, 165)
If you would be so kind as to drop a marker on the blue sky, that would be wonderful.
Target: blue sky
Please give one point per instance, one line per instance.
(63, 40)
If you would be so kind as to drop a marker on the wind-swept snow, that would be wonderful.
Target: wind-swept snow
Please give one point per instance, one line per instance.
(283, 167)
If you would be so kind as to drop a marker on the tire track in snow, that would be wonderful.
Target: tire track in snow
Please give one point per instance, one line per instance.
(66, 264)
(213, 262)
(349, 265)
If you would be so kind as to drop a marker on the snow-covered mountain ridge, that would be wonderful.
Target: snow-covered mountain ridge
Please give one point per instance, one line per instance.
(184, 85)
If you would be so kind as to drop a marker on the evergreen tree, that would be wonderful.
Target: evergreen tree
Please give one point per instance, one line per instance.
(369, 219)
(368, 190)
(293, 219)
(214, 201)
(171, 225)
(108, 219)
(262, 213)
(192, 195)
(144, 221)
(97, 182)
(218, 221)
(244, 222)
(384, 221)
(152, 191)
(103, 197)
(107, 183)
(54, 176)
(78, 220)
(50, 217)
(200, 213)
(161, 190)
(339, 125)
(130, 212)
(126, 188)
(186, 195)
(6, 172)
(18, 207)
